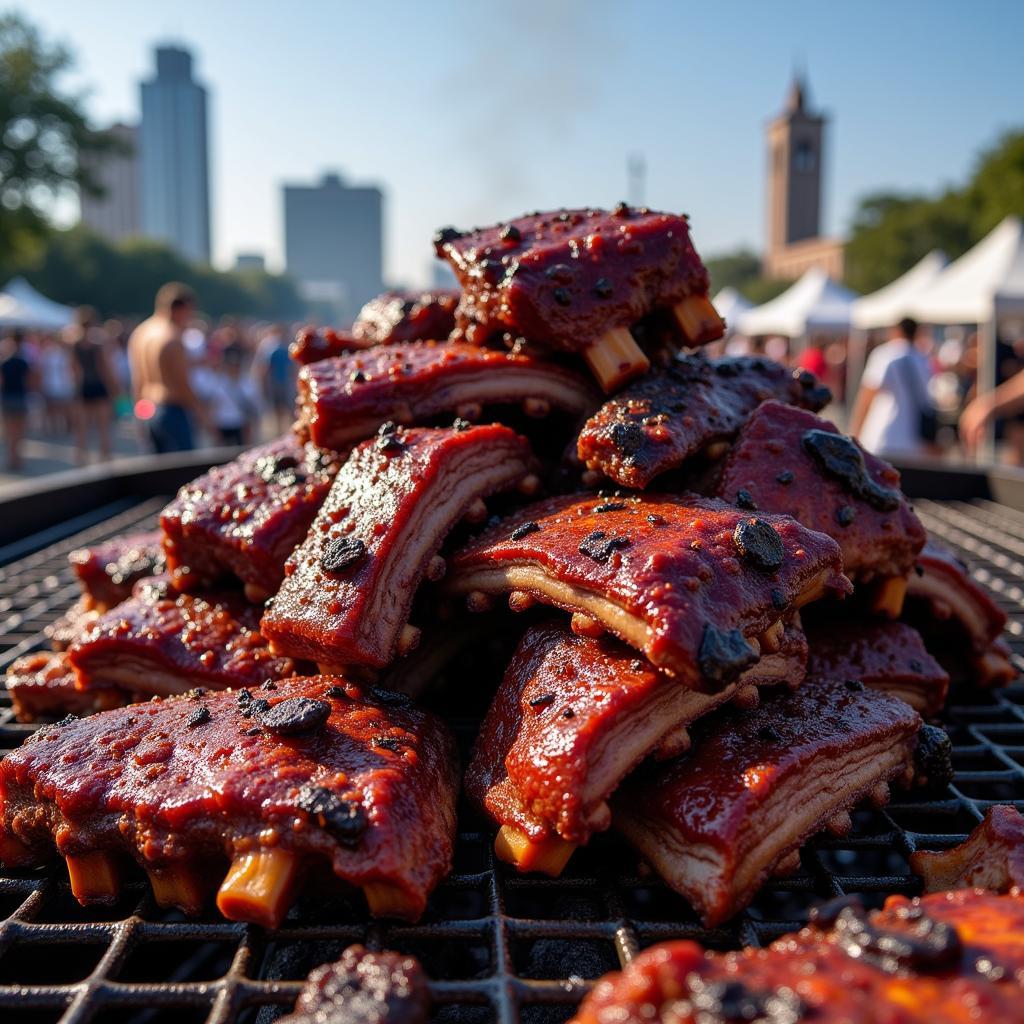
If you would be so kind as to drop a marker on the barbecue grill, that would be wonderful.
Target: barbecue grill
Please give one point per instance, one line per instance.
(496, 946)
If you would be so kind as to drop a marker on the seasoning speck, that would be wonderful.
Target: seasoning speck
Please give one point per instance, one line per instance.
(599, 546)
(785, 477)
(543, 700)
(845, 515)
(344, 819)
(760, 544)
(296, 715)
(342, 553)
(610, 506)
(524, 530)
(745, 500)
(200, 716)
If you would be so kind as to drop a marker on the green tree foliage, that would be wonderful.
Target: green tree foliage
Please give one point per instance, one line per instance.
(742, 270)
(78, 267)
(891, 232)
(43, 135)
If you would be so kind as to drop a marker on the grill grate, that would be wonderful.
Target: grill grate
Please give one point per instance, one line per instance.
(496, 946)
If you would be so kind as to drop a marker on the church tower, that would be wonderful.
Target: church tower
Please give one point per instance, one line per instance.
(796, 141)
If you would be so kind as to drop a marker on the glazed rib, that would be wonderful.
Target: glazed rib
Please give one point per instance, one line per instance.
(716, 823)
(406, 316)
(345, 399)
(789, 460)
(300, 774)
(350, 585)
(691, 582)
(244, 519)
(107, 572)
(943, 959)
(74, 623)
(992, 857)
(957, 617)
(158, 643)
(693, 406)
(42, 688)
(312, 345)
(364, 988)
(887, 656)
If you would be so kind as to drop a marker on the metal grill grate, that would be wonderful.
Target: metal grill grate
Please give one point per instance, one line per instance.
(496, 946)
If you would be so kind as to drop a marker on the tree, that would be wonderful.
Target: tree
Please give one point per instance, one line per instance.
(742, 270)
(997, 188)
(43, 136)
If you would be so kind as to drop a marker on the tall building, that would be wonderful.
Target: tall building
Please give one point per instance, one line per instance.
(334, 243)
(796, 152)
(115, 213)
(173, 155)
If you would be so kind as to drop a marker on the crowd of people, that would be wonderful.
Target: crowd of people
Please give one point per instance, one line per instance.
(185, 382)
(181, 381)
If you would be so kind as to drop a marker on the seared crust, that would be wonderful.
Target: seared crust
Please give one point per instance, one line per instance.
(407, 316)
(192, 779)
(572, 717)
(887, 656)
(393, 503)
(364, 988)
(673, 414)
(562, 279)
(108, 571)
(719, 820)
(311, 345)
(773, 461)
(159, 642)
(992, 857)
(244, 519)
(667, 575)
(345, 399)
(943, 959)
(73, 624)
(42, 688)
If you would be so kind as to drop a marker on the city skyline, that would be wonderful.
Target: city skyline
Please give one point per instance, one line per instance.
(549, 112)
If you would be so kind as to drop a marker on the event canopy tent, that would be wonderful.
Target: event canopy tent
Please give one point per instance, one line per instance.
(982, 286)
(897, 300)
(815, 303)
(731, 305)
(22, 306)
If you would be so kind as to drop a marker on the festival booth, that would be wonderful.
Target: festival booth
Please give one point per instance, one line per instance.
(731, 305)
(815, 304)
(985, 287)
(886, 307)
(22, 306)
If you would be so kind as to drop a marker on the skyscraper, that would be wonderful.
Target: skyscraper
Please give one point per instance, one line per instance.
(115, 213)
(173, 156)
(334, 246)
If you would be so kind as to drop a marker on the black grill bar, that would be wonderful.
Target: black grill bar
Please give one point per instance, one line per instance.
(497, 946)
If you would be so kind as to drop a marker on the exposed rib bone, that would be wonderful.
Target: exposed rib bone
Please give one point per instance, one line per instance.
(259, 886)
(548, 856)
(94, 877)
(615, 358)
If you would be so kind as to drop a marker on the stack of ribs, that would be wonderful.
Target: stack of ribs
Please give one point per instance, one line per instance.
(705, 628)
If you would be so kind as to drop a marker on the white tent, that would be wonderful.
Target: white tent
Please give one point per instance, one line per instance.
(983, 286)
(731, 305)
(896, 300)
(814, 303)
(22, 306)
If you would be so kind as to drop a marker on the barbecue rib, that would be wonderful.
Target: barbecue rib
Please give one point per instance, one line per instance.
(306, 772)
(364, 988)
(950, 958)
(344, 400)
(957, 617)
(991, 858)
(887, 656)
(789, 460)
(312, 345)
(74, 623)
(350, 585)
(244, 519)
(406, 316)
(42, 688)
(577, 280)
(108, 571)
(693, 406)
(158, 642)
(699, 586)
(572, 717)
(717, 822)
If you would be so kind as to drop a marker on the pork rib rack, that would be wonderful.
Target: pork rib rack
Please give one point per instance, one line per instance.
(577, 280)
(302, 774)
(406, 316)
(699, 586)
(107, 572)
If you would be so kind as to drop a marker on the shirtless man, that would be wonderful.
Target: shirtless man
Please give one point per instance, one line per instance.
(160, 370)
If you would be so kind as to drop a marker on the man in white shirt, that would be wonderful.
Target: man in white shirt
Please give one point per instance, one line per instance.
(893, 394)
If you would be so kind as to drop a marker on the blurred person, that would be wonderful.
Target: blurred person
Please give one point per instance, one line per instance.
(95, 385)
(161, 386)
(118, 335)
(1006, 402)
(893, 414)
(233, 398)
(813, 358)
(275, 373)
(17, 381)
(57, 384)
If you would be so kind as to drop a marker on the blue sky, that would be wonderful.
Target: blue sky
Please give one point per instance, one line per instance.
(468, 112)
